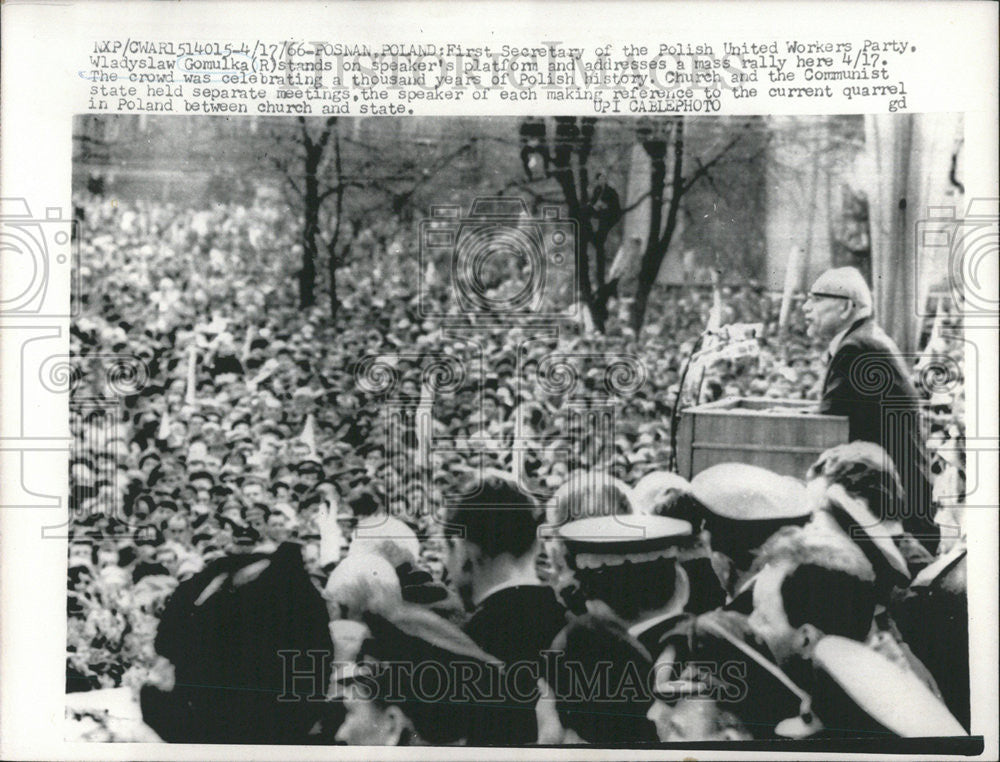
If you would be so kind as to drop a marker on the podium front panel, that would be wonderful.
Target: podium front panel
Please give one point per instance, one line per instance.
(784, 436)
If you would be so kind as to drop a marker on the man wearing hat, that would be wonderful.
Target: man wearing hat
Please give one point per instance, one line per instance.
(743, 506)
(664, 493)
(866, 473)
(629, 564)
(583, 494)
(309, 472)
(715, 681)
(868, 381)
(147, 540)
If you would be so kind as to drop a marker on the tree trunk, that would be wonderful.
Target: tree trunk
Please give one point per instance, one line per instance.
(601, 293)
(570, 154)
(310, 231)
(333, 260)
(586, 239)
(578, 211)
(658, 242)
(649, 266)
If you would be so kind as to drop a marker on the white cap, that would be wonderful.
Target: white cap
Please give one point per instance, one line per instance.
(847, 282)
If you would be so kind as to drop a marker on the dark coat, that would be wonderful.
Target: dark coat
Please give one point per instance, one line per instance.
(224, 647)
(652, 637)
(868, 381)
(515, 625)
(944, 647)
(707, 592)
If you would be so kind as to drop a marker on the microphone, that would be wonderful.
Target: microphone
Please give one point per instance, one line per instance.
(733, 341)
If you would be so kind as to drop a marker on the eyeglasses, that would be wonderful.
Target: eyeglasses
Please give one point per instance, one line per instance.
(814, 295)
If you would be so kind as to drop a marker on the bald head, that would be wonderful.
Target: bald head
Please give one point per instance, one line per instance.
(838, 298)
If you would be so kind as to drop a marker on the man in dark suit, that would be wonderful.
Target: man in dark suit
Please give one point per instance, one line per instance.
(868, 381)
(492, 545)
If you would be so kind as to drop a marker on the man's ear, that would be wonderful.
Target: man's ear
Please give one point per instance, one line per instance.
(806, 638)
(850, 308)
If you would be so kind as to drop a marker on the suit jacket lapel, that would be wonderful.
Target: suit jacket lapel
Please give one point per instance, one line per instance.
(829, 365)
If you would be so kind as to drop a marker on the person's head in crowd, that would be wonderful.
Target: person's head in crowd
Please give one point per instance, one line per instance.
(372, 531)
(81, 554)
(276, 528)
(837, 299)
(201, 480)
(361, 583)
(252, 489)
(309, 471)
(629, 564)
(280, 489)
(714, 681)
(613, 709)
(664, 493)
(309, 507)
(147, 540)
(311, 559)
(810, 585)
(865, 471)
(299, 450)
(178, 529)
(148, 463)
(390, 700)
(107, 555)
(491, 536)
(232, 509)
(584, 494)
(256, 516)
(168, 557)
(195, 423)
(744, 505)
(142, 507)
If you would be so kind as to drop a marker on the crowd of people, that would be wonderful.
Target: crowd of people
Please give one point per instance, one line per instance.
(268, 484)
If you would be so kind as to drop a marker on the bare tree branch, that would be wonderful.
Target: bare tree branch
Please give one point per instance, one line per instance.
(704, 168)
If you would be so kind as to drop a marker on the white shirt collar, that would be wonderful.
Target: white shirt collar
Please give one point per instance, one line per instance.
(835, 341)
(682, 592)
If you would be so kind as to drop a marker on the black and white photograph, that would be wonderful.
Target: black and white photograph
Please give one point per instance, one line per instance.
(633, 431)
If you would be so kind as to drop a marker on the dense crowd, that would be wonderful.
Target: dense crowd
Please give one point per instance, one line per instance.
(247, 431)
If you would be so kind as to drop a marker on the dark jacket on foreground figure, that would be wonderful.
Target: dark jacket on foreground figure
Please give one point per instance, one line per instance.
(222, 630)
(867, 381)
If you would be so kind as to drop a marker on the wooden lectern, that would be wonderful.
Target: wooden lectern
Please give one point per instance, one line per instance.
(784, 436)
